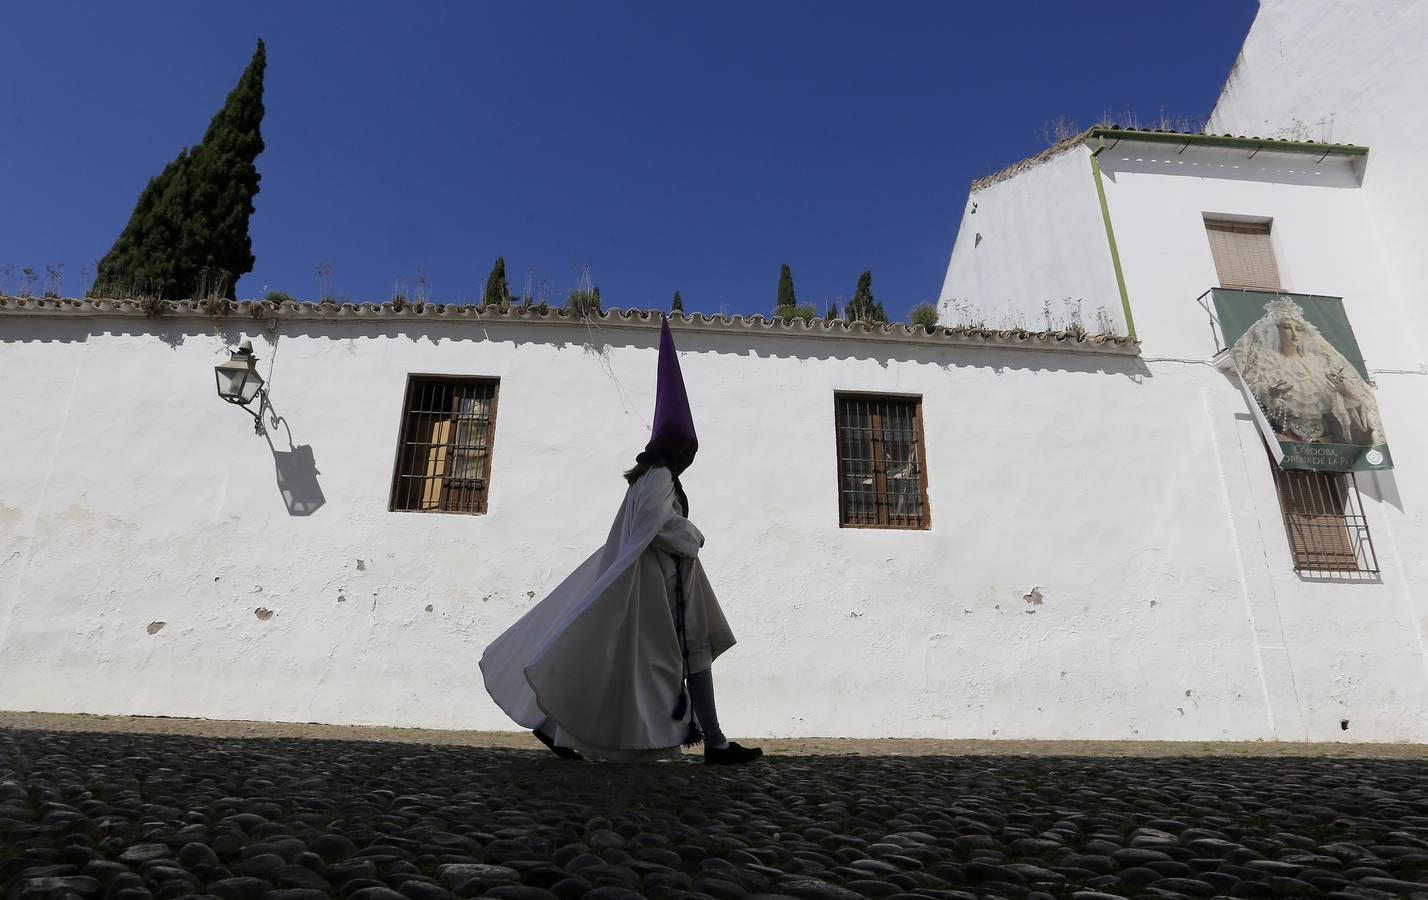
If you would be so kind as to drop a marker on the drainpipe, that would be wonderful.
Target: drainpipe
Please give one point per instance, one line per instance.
(1111, 236)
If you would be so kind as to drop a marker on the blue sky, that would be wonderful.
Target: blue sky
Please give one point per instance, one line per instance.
(662, 145)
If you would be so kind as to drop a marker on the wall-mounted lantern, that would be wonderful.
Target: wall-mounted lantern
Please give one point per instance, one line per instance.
(240, 384)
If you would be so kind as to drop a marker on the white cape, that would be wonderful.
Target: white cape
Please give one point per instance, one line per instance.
(597, 664)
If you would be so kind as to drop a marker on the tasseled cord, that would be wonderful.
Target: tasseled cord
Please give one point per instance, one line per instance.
(694, 737)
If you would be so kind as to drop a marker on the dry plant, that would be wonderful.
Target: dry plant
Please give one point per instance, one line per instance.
(54, 279)
(211, 292)
(324, 282)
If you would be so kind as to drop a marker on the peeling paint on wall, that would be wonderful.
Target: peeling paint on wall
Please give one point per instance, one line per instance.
(156, 627)
(263, 613)
(361, 565)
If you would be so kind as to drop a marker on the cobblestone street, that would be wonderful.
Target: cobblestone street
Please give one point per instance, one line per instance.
(133, 815)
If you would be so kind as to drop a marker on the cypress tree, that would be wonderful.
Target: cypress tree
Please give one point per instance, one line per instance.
(785, 288)
(677, 304)
(190, 225)
(497, 290)
(832, 310)
(863, 308)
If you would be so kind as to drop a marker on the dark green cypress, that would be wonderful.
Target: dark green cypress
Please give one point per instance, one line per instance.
(677, 304)
(497, 291)
(188, 233)
(832, 310)
(863, 308)
(785, 288)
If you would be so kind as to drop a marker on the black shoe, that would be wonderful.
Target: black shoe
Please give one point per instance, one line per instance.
(562, 752)
(732, 755)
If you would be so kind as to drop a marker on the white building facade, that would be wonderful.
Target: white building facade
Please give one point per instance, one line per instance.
(1074, 536)
(1117, 225)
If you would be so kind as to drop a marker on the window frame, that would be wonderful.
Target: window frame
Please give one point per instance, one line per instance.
(415, 500)
(882, 497)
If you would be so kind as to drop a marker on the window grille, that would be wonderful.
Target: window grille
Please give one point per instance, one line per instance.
(1324, 521)
(882, 469)
(444, 461)
(1244, 256)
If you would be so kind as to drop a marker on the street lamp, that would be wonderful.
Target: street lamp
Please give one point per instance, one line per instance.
(239, 382)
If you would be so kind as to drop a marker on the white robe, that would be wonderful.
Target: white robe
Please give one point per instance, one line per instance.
(597, 663)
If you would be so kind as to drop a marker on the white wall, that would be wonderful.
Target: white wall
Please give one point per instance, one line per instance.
(1349, 71)
(1325, 652)
(1122, 492)
(1321, 232)
(1032, 243)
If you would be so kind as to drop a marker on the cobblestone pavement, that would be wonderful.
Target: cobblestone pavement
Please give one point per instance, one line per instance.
(132, 815)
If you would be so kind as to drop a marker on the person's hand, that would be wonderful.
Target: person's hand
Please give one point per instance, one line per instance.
(1278, 389)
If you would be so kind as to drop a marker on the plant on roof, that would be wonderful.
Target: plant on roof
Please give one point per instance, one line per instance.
(923, 315)
(54, 279)
(584, 300)
(804, 311)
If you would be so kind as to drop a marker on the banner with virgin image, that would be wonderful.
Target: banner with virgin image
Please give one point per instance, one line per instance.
(1297, 358)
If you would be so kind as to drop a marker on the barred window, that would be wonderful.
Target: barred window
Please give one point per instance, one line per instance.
(1324, 520)
(882, 468)
(1244, 256)
(444, 460)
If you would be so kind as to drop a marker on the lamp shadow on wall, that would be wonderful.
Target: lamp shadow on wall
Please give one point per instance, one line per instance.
(296, 470)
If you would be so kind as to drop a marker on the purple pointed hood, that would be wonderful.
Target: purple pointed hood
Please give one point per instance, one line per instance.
(672, 439)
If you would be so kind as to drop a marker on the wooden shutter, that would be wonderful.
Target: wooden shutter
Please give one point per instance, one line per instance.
(1244, 256)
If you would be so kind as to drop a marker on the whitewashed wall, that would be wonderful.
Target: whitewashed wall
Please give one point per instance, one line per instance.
(1340, 641)
(1347, 70)
(1326, 652)
(1159, 196)
(1125, 497)
(1024, 260)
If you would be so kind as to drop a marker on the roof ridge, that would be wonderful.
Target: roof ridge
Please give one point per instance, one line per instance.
(369, 312)
(1166, 135)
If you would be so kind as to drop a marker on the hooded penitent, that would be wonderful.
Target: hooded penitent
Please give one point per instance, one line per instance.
(599, 663)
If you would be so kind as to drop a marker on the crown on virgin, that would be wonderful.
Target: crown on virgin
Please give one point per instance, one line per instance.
(1284, 308)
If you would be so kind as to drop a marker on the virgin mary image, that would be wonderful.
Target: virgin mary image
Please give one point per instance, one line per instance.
(1309, 391)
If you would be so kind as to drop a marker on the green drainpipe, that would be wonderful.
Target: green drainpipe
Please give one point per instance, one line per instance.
(1111, 236)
